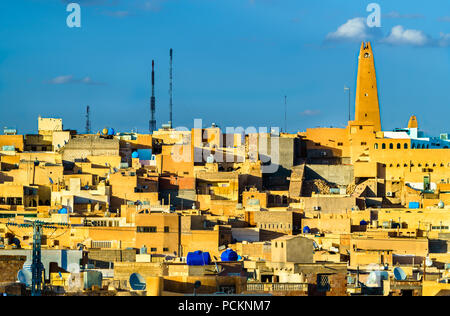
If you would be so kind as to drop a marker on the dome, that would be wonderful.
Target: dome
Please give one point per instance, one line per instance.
(135, 154)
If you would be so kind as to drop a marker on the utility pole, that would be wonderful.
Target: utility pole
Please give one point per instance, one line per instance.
(37, 268)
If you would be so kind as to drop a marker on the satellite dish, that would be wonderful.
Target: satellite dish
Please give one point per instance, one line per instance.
(73, 268)
(27, 266)
(137, 282)
(25, 277)
(399, 274)
(428, 262)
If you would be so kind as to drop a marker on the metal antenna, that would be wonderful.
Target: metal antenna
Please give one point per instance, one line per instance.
(153, 101)
(170, 88)
(285, 114)
(88, 120)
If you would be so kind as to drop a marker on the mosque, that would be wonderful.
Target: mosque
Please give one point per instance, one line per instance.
(384, 161)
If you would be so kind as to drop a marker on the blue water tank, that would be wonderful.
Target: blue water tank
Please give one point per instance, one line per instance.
(135, 154)
(229, 255)
(145, 154)
(363, 223)
(62, 211)
(414, 205)
(111, 131)
(198, 258)
(306, 230)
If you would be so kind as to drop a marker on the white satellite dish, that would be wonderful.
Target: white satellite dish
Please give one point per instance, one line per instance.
(25, 277)
(73, 268)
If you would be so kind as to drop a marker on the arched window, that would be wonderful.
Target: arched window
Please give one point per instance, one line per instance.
(405, 146)
(398, 146)
(376, 146)
(383, 146)
(391, 146)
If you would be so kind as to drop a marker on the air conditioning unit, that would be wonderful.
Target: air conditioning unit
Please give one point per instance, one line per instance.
(390, 194)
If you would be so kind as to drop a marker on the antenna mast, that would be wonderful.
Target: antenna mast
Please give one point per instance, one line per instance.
(153, 101)
(88, 120)
(170, 88)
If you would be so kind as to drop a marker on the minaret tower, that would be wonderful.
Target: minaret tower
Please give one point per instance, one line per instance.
(367, 109)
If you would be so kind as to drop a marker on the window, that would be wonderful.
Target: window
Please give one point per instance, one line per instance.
(340, 144)
(391, 146)
(323, 283)
(398, 146)
(165, 249)
(146, 229)
(405, 146)
(383, 146)
(376, 146)
(363, 143)
(153, 249)
(166, 229)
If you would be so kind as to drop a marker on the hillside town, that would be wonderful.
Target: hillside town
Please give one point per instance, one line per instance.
(323, 212)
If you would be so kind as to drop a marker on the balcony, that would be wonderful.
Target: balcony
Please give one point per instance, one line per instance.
(277, 287)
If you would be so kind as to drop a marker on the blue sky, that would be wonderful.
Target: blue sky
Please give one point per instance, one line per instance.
(234, 60)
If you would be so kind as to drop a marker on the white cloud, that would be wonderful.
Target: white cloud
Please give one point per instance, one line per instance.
(444, 40)
(402, 36)
(310, 112)
(61, 80)
(397, 15)
(355, 29)
(70, 79)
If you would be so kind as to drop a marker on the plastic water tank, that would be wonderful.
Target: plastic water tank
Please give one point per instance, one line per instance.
(376, 278)
(306, 230)
(198, 258)
(229, 255)
(135, 154)
(62, 211)
(363, 223)
(111, 132)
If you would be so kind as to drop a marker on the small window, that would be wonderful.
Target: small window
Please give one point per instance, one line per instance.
(405, 146)
(383, 146)
(323, 283)
(166, 229)
(398, 146)
(391, 146)
(375, 146)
